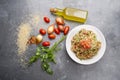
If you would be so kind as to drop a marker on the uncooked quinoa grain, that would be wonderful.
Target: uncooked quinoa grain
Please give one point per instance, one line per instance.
(24, 31)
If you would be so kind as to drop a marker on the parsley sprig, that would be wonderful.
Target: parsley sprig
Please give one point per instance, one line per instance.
(46, 55)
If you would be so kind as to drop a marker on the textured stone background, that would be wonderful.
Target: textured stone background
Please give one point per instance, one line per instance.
(104, 14)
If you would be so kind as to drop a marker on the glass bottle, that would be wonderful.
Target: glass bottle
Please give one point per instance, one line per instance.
(71, 14)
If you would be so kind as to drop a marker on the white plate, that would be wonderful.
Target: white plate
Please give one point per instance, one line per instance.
(99, 36)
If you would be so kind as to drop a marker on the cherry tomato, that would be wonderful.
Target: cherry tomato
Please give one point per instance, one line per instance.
(61, 27)
(57, 31)
(46, 19)
(46, 43)
(42, 31)
(51, 36)
(66, 30)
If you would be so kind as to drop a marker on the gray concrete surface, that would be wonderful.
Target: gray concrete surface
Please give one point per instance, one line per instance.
(104, 14)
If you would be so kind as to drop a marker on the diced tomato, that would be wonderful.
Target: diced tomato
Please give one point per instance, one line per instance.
(85, 44)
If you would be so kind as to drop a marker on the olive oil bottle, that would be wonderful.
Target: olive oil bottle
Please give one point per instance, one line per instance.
(71, 14)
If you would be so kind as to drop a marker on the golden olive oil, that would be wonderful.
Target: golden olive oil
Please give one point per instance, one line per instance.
(71, 14)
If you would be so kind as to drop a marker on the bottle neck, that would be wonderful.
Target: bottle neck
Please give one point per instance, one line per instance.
(57, 11)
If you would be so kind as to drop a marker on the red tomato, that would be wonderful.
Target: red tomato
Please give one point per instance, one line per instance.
(46, 19)
(46, 43)
(51, 36)
(66, 30)
(88, 46)
(85, 44)
(42, 31)
(57, 31)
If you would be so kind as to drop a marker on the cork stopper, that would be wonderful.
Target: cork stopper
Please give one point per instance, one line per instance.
(53, 10)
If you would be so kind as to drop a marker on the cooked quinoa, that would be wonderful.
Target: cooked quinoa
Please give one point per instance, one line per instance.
(85, 44)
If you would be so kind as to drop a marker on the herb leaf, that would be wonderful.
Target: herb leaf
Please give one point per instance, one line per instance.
(33, 59)
(46, 55)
